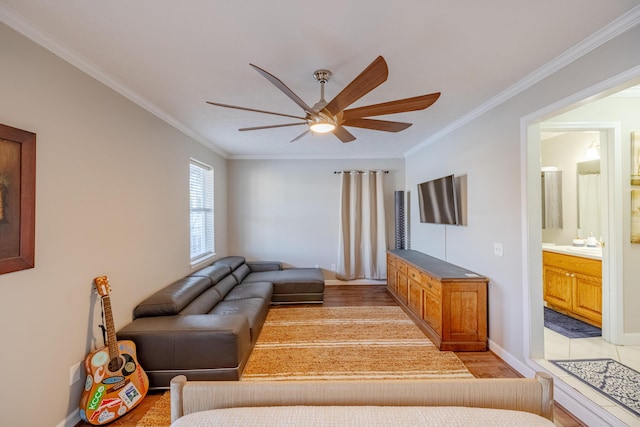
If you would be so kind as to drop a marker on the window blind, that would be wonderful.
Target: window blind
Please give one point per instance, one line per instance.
(201, 210)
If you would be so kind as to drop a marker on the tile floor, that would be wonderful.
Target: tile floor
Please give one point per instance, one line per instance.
(559, 347)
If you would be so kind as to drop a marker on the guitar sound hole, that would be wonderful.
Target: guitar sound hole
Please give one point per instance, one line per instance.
(116, 364)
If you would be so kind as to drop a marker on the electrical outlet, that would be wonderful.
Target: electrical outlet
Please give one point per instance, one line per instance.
(497, 249)
(333, 267)
(75, 373)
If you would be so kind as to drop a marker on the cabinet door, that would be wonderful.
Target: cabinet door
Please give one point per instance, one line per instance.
(402, 281)
(392, 277)
(403, 287)
(432, 313)
(557, 287)
(415, 297)
(464, 308)
(587, 298)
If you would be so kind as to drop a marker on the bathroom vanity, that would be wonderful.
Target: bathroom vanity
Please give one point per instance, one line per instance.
(572, 281)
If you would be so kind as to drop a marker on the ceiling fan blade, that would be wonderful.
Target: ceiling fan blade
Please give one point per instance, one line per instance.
(383, 125)
(343, 134)
(300, 136)
(391, 107)
(278, 83)
(254, 110)
(373, 76)
(272, 126)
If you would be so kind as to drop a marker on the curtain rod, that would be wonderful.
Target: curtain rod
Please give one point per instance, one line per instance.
(360, 171)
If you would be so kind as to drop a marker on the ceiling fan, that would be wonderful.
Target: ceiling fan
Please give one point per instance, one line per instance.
(332, 116)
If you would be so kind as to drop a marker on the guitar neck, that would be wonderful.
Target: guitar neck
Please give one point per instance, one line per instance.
(111, 330)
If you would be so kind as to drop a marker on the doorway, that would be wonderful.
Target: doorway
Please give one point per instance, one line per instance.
(574, 229)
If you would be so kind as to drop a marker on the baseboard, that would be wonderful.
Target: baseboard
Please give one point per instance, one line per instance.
(522, 368)
(72, 419)
(631, 338)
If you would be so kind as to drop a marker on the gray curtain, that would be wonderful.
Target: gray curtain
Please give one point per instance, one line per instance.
(362, 237)
(552, 200)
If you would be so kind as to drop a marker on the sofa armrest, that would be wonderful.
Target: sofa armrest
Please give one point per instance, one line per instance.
(256, 266)
(194, 341)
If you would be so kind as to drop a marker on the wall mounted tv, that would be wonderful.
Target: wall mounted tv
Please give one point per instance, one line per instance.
(437, 201)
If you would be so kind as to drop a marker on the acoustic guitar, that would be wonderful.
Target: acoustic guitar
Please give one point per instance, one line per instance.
(116, 383)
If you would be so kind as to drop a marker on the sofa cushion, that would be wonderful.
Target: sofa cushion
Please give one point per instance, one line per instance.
(290, 281)
(225, 285)
(189, 342)
(255, 310)
(203, 303)
(214, 272)
(172, 299)
(262, 290)
(241, 272)
(232, 262)
(264, 265)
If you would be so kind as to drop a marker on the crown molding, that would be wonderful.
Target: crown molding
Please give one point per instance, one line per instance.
(597, 39)
(308, 157)
(23, 26)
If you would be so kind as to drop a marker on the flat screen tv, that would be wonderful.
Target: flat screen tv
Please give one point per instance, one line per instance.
(437, 201)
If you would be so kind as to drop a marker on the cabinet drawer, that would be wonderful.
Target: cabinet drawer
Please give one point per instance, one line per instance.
(588, 266)
(431, 284)
(401, 267)
(391, 260)
(413, 274)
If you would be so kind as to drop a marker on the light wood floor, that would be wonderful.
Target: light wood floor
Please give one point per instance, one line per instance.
(480, 364)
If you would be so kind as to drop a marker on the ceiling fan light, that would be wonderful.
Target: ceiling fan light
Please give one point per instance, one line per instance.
(322, 127)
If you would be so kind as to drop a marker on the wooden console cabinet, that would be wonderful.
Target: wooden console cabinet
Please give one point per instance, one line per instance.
(573, 286)
(447, 302)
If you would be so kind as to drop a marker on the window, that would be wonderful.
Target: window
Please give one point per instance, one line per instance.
(201, 210)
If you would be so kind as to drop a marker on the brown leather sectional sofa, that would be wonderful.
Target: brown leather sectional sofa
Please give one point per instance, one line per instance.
(205, 325)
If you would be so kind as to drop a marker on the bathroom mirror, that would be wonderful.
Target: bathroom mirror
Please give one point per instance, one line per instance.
(589, 201)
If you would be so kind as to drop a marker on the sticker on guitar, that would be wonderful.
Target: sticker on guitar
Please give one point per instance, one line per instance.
(115, 382)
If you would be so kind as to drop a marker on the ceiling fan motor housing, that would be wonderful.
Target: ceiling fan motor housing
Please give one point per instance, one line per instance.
(322, 76)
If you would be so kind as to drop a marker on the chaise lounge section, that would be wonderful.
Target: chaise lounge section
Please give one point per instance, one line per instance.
(205, 325)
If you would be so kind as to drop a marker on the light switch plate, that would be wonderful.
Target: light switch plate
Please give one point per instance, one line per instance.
(497, 249)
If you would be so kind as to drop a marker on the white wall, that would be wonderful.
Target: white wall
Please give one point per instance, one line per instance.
(288, 210)
(487, 149)
(111, 198)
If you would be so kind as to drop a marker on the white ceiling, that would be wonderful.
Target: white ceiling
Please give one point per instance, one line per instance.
(172, 56)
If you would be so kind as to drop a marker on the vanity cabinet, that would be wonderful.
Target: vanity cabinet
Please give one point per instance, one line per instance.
(573, 285)
(447, 302)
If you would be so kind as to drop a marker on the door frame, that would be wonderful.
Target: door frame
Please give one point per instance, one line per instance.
(533, 321)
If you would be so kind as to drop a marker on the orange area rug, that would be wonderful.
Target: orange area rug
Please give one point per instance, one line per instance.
(347, 342)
